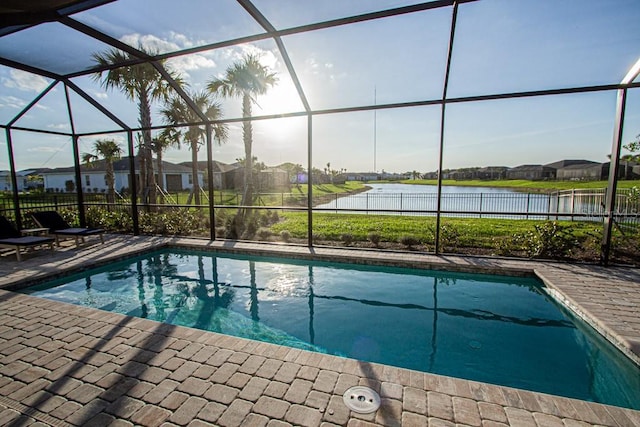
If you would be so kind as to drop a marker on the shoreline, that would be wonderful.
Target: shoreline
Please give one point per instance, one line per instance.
(520, 185)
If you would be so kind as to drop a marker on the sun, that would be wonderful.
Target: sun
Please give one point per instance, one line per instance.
(279, 99)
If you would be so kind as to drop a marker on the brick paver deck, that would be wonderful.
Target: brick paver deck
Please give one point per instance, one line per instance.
(62, 364)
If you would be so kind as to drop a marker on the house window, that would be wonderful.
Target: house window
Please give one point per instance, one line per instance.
(190, 178)
(87, 180)
(105, 181)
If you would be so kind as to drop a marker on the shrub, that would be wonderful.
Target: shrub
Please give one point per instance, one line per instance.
(449, 237)
(285, 236)
(113, 220)
(221, 232)
(263, 233)
(409, 241)
(508, 246)
(374, 238)
(172, 222)
(550, 240)
(347, 238)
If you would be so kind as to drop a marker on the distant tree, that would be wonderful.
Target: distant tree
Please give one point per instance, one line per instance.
(109, 150)
(634, 147)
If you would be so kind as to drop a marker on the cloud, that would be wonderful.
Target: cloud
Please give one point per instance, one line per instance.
(24, 81)
(149, 42)
(12, 102)
(182, 64)
(237, 53)
(101, 95)
(45, 149)
(58, 126)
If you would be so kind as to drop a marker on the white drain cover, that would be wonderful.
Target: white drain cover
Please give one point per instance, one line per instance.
(361, 399)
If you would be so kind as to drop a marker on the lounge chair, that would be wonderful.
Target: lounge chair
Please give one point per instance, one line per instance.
(10, 237)
(59, 228)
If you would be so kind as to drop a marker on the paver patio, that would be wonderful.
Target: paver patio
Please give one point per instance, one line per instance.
(63, 365)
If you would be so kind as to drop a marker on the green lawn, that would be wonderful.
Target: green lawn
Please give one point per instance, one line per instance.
(468, 232)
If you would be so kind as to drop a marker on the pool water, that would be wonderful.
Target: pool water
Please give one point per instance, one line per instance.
(495, 329)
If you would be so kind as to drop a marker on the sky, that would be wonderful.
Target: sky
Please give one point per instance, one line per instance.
(500, 46)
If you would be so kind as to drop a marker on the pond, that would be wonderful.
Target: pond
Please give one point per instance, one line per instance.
(456, 201)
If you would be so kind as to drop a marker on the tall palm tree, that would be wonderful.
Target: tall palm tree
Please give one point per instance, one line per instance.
(109, 150)
(141, 83)
(177, 112)
(247, 80)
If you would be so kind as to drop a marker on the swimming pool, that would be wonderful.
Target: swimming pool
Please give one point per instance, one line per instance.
(495, 329)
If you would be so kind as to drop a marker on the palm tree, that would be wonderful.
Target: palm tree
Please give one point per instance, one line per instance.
(109, 150)
(246, 80)
(165, 139)
(141, 82)
(177, 112)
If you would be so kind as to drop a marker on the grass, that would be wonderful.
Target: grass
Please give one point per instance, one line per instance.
(470, 232)
(319, 189)
(522, 184)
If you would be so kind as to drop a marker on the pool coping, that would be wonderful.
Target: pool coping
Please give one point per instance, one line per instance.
(607, 314)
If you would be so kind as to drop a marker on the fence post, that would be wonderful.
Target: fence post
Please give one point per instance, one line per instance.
(401, 203)
(528, 203)
(367, 205)
(480, 208)
(573, 195)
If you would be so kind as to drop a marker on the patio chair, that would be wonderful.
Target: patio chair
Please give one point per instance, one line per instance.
(59, 228)
(10, 237)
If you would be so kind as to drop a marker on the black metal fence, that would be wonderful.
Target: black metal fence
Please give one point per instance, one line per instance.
(567, 204)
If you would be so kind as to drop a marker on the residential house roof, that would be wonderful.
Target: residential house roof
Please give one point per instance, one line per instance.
(120, 165)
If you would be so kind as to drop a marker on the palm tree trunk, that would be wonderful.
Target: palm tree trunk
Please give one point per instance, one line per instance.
(160, 172)
(194, 171)
(111, 194)
(145, 122)
(247, 136)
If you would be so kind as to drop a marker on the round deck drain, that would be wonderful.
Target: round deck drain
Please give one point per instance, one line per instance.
(362, 400)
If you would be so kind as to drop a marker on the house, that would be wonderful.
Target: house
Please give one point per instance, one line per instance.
(27, 180)
(363, 176)
(224, 175)
(175, 177)
(574, 170)
(531, 172)
(491, 172)
(231, 176)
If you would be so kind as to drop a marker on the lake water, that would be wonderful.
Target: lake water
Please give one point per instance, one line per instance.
(456, 201)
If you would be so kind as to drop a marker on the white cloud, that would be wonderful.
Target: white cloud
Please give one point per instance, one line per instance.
(24, 81)
(182, 64)
(58, 126)
(101, 95)
(149, 42)
(44, 149)
(12, 102)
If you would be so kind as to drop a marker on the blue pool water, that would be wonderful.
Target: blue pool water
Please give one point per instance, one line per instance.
(495, 329)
